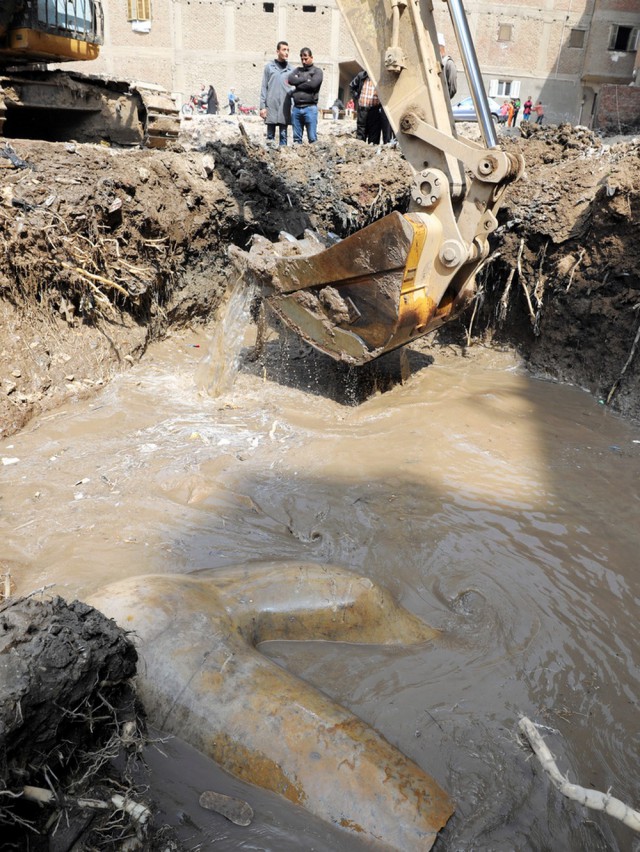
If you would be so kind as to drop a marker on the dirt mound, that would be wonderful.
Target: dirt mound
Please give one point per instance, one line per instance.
(562, 283)
(103, 249)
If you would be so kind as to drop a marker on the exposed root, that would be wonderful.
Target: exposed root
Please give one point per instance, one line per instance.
(504, 300)
(627, 364)
(573, 269)
(478, 298)
(538, 290)
(99, 278)
(593, 799)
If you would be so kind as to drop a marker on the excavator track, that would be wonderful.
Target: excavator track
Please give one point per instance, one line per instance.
(62, 106)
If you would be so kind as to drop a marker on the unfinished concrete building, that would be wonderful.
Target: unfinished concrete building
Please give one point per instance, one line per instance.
(565, 53)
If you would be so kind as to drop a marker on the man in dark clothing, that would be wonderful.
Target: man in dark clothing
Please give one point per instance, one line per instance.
(306, 81)
(355, 87)
(371, 120)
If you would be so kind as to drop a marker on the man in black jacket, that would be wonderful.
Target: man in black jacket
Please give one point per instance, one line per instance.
(306, 81)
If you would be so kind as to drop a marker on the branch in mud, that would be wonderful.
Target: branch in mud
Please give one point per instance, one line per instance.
(478, 298)
(627, 364)
(593, 799)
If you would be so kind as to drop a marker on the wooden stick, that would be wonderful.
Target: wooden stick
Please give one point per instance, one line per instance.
(624, 369)
(593, 799)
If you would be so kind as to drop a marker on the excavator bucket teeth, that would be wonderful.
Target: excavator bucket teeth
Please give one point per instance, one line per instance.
(356, 299)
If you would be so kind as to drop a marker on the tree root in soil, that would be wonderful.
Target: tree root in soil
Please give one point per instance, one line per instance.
(68, 711)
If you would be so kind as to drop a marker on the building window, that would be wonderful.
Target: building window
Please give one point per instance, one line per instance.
(504, 88)
(576, 38)
(268, 7)
(308, 8)
(505, 32)
(138, 10)
(623, 39)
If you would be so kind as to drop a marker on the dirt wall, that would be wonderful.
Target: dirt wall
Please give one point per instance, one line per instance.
(103, 250)
(562, 283)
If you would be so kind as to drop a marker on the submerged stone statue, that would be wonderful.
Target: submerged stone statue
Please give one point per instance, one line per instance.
(202, 679)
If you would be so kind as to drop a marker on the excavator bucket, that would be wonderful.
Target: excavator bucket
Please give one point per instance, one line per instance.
(355, 300)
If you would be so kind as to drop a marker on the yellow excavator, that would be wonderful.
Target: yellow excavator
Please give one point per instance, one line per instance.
(406, 274)
(60, 105)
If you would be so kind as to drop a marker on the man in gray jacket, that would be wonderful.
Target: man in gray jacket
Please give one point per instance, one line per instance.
(275, 94)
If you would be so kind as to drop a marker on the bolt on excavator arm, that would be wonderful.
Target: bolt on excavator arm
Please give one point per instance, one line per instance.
(404, 275)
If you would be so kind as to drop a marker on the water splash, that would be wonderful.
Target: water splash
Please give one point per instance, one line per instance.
(217, 371)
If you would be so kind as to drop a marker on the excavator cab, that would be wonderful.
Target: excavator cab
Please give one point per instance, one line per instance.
(61, 105)
(50, 30)
(406, 274)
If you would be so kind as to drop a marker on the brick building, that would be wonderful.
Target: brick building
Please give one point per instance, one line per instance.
(180, 44)
(562, 52)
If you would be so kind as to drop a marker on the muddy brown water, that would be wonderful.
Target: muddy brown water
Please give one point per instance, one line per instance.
(500, 509)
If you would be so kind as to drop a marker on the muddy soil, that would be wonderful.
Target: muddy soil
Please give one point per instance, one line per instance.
(562, 283)
(104, 250)
(68, 708)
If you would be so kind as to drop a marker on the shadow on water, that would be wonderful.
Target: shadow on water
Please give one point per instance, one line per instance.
(288, 361)
(533, 602)
(526, 609)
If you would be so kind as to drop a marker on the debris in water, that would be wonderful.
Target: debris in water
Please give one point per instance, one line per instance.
(594, 799)
(235, 810)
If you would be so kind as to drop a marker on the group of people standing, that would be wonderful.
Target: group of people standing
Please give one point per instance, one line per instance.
(510, 109)
(290, 96)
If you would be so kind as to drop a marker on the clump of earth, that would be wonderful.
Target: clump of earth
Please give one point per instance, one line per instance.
(105, 249)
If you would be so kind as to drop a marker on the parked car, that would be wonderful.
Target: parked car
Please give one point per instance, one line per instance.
(464, 110)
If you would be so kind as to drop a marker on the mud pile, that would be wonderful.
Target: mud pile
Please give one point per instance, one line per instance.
(103, 250)
(68, 709)
(562, 283)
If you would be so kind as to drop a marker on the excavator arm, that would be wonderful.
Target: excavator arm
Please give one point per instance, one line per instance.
(404, 275)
